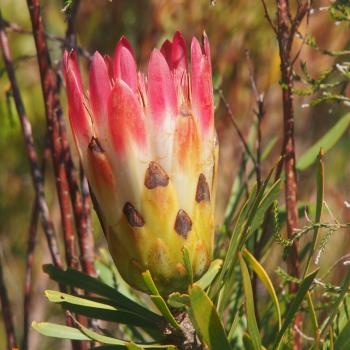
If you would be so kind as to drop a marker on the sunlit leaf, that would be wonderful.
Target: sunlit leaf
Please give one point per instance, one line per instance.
(253, 329)
(78, 279)
(206, 320)
(214, 268)
(158, 300)
(326, 142)
(59, 331)
(265, 279)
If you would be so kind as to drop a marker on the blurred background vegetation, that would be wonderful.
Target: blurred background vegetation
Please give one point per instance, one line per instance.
(233, 26)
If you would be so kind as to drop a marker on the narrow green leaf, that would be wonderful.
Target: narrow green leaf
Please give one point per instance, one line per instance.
(266, 202)
(253, 329)
(265, 279)
(58, 331)
(234, 322)
(214, 268)
(343, 340)
(78, 279)
(326, 142)
(188, 264)
(293, 308)
(269, 147)
(313, 318)
(206, 320)
(158, 300)
(119, 347)
(59, 297)
(97, 309)
(115, 341)
(327, 324)
(147, 278)
(251, 214)
(319, 207)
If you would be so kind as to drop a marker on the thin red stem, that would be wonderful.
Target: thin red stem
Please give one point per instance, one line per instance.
(53, 110)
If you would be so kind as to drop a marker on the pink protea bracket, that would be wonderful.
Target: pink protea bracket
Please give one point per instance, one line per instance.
(161, 89)
(124, 64)
(125, 118)
(201, 83)
(78, 116)
(99, 88)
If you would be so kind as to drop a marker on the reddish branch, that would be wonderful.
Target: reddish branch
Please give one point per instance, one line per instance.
(6, 311)
(66, 175)
(49, 85)
(31, 153)
(287, 26)
(81, 200)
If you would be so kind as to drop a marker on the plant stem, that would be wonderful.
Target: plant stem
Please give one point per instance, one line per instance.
(286, 30)
(6, 311)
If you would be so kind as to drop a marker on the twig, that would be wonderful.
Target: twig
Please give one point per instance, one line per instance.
(268, 17)
(260, 112)
(31, 152)
(16, 28)
(49, 85)
(6, 311)
(87, 242)
(32, 234)
(80, 200)
(239, 133)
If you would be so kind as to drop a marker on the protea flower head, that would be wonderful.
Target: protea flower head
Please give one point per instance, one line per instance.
(148, 146)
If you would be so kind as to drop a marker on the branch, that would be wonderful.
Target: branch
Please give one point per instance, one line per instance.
(240, 135)
(6, 310)
(32, 235)
(36, 173)
(49, 84)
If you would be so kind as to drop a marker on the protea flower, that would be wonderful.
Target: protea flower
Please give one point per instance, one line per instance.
(148, 146)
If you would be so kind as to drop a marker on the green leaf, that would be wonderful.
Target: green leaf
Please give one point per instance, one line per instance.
(266, 202)
(105, 274)
(58, 331)
(313, 319)
(326, 142)
(319, 207)
(158, 300)
(115, 341)
(265, 279)
(59, 297)
(78, 279)
(206, 320)
(339, 300)
(250, 216)
(293, 308)
(98, 309)
(253, 329)
(188, 264)
(343, 340)
(214, 268)
(178, 300)
(269, 147)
